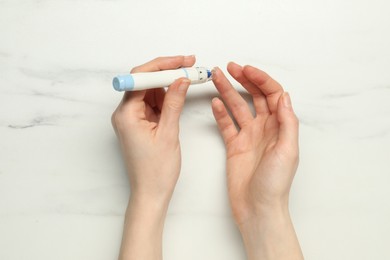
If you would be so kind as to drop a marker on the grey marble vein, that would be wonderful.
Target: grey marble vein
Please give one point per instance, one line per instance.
(376, 135)
(38, 121)
(62, 97)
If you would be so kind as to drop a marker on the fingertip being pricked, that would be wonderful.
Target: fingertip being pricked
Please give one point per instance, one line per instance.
(215, 72)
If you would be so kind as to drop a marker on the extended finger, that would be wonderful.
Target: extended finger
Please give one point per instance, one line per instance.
(259, 99)
(232, 98)
(271, 89)
(224, 121)
(166, 63)
(289, 124)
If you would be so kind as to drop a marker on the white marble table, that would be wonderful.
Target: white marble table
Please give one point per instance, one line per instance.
(63, 187)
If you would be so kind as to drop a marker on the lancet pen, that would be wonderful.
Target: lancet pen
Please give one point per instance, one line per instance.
(159, 79)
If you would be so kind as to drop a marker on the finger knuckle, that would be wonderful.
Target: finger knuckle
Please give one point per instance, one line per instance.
(118, 120)
(113, 119)
(175, 105)
(159, 59)
(295, 121)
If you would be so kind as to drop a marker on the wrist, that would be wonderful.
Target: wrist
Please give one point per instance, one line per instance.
(155, 207)
(264, 216)
(152, 186)
(251, 212)
(144, 224)
(270, 235)
(147, 213)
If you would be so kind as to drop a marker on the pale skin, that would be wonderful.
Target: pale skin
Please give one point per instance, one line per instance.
(261, 159)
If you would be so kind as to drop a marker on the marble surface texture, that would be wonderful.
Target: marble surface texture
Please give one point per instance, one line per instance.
(63, 186)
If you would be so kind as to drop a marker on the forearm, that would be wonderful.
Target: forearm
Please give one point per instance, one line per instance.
(271, 236)
(143, 228)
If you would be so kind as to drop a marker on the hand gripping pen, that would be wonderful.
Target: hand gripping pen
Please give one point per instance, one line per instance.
(159, 79)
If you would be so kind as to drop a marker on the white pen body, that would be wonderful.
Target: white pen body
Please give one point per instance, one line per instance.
(158, 79)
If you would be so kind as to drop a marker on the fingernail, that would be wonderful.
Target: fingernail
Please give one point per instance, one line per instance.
(215, 100)
(184, 84)
(214, 104)
(189, 57)
(286, 100)
(214, 71)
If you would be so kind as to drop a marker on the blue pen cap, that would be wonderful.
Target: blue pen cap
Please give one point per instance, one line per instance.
(123, 83)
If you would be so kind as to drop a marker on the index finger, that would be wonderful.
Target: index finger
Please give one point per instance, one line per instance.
(165, 63)
(271, 89)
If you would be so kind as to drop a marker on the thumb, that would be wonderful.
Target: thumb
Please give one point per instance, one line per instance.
(172, 107)
(288, 123)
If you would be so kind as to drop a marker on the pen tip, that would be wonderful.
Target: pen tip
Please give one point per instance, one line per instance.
(209, 74)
